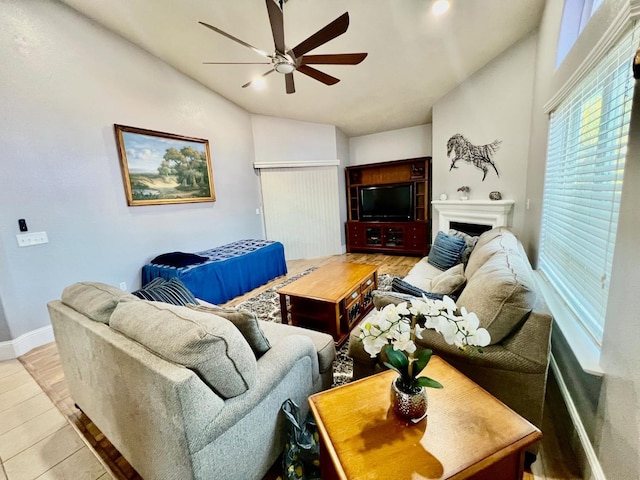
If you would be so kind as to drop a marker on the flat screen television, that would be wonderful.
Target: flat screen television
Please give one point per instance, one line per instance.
(387, 202)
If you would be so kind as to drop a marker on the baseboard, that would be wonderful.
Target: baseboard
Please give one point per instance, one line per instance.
(593, 467)
(21, 345)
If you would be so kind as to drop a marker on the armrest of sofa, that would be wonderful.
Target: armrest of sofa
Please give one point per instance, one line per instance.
(292, 356)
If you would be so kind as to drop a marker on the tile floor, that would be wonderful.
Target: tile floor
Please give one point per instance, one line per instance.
(36, 441)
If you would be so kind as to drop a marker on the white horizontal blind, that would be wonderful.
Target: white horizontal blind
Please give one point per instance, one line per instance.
(585, 161)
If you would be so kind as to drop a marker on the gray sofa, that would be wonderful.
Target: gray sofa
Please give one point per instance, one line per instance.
(179, 392)
(501, 290)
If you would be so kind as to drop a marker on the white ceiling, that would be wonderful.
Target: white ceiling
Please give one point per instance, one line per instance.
(414, 57)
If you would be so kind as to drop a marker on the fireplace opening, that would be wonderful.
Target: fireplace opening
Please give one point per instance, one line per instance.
(473, 229)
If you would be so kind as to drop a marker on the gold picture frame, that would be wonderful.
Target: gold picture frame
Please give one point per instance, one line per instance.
(162, 168)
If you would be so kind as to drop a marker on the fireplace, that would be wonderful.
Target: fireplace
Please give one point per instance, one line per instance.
(474, 215)
(469, 228)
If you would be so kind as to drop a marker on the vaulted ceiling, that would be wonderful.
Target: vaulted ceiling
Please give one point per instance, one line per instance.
(414, 57)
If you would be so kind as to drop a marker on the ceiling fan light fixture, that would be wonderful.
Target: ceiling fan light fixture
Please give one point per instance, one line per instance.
(284, 67)
(440, 7)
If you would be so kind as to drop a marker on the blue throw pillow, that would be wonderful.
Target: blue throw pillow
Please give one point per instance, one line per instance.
(400, 286)
(446, 251)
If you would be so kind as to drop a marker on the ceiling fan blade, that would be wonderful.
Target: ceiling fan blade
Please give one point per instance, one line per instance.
(263, 75)
(236, 63)
(231, 37)
(322, 36)
(336, 59)
(288, 79)
(318, 75)
(277, 25)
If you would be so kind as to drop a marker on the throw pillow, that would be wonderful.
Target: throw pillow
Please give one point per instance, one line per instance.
(400, 286)
(382, 298)
(469, 241)
(168, 291)
(178, 259)
(448, 282)
(210, 346)
(445, 251)
(245, 321)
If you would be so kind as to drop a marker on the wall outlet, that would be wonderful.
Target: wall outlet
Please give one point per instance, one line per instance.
(123, 286)
(31, 239)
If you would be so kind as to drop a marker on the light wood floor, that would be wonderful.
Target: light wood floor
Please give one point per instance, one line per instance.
(38, 440)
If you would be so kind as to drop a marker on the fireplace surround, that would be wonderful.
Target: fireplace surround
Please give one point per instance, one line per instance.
(490, 213)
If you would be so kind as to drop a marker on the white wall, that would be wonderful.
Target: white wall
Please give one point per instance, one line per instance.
(494, 104)
(291, 141)
(66, 81)
(411, 142)
(342, 147)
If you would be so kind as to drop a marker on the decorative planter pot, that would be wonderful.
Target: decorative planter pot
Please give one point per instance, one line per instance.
(464, 197)
(409, 406)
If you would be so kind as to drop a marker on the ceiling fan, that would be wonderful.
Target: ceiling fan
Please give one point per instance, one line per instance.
(286, 61)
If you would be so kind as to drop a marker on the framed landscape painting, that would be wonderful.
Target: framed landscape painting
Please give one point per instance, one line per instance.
(160, 168)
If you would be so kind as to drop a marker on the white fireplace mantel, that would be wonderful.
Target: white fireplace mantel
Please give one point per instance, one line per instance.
(494, 213)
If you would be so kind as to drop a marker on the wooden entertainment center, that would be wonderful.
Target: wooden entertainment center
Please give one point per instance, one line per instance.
(385, 233)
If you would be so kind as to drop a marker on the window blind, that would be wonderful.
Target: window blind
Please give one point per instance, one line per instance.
(585, 162)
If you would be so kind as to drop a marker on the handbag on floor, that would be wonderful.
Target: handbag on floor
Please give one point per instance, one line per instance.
(301, 457)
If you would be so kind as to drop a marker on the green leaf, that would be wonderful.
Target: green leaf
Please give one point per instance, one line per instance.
(422, 359)
(428, 382)
(388, 365)
(397, 358)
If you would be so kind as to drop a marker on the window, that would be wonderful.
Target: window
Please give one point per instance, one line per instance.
(585, 161)
(575, 16)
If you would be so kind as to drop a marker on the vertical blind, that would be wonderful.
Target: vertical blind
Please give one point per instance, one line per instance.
(585, 162)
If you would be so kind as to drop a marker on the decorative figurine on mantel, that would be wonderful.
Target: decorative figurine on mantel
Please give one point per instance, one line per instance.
(464, 192)
(495, 195)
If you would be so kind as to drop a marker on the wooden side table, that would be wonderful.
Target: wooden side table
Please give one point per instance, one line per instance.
(332, 299)
(468, 433)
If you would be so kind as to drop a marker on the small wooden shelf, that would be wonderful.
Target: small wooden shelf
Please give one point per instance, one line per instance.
(409, 237)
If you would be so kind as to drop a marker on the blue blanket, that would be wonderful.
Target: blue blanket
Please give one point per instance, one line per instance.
(231, 270)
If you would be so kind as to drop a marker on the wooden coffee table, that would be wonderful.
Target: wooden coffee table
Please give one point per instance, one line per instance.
(467, 434)
(332, 299)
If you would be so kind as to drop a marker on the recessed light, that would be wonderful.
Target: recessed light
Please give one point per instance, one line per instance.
(258, 83)
(439, 7)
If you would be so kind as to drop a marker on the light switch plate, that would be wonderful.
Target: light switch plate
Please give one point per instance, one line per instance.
(30, 239)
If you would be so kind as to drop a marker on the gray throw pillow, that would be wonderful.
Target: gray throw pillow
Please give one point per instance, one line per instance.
(245, 321)
(171, 291)
(448, 282)
(469, 241)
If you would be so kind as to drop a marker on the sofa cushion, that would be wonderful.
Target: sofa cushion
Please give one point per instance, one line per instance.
(168, 291)
(495, 240)
(207, 344)
(448, 282)
(501, 293)
(445, 251)
(94, 299)
(245, 321)
(400, 286)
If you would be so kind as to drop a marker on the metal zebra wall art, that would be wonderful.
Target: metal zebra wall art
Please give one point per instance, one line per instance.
(479, 155)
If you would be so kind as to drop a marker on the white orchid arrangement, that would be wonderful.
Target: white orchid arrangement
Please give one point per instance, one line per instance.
(397, 326)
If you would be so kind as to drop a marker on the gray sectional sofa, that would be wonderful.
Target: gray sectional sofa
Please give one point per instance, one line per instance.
(178, 391)
(499, 287)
